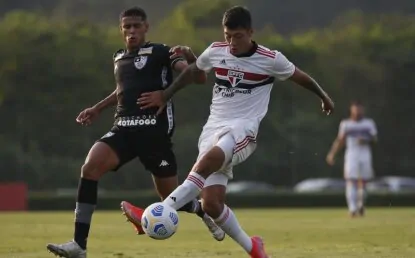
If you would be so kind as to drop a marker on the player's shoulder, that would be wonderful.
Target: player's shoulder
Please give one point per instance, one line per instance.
(266, 52)
(118, 54)
(345, 121)
(156, 45)
(218, 45)
(369, 120)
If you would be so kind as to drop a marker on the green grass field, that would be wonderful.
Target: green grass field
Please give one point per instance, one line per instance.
(288, 233)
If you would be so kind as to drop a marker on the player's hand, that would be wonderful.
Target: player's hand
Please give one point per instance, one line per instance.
(87, 116)
(152, 99)
(327, 105)
(183, 51)
(362, 141)
(330, 159)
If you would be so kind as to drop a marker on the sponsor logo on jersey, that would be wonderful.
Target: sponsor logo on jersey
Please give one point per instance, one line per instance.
(230, 92)
(145, 51)
(136, 121)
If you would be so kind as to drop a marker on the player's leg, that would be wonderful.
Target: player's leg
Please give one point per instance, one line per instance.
(105, 155)
(366, 171)
(351, 196)
(351, 176)
(213, 203)
(361, 196)
(220, 156)
(163, 167)
(160, 160)
(166, 185)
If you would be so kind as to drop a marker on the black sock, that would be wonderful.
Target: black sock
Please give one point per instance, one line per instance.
(199, 211)
(190, 208)
(85, 206)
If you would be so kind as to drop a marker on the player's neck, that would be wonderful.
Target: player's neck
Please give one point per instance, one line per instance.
(131, 49)
(249, 51)
(356, 118)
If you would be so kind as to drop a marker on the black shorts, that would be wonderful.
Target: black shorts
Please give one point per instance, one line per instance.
(153, 148)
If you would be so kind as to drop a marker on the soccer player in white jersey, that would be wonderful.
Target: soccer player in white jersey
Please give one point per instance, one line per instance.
(245, 72)
(358, 133)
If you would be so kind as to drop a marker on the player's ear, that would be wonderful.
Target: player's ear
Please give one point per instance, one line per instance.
(146, 26)
(250, 32)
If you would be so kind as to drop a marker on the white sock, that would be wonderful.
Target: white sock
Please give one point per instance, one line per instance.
(351, 196)
(228, 222)
(185, 192)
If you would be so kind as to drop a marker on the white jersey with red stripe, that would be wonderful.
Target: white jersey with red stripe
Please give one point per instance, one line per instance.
(358, 157)
(240, 99)
(243, 84)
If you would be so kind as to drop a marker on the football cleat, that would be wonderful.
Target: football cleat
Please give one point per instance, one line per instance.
(68, 250)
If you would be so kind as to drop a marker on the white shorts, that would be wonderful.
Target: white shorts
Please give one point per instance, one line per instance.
(238, 142)
(358, 169)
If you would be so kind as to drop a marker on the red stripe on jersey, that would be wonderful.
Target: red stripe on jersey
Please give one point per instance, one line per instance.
(247, 76)
(264, 52)
(219, 44)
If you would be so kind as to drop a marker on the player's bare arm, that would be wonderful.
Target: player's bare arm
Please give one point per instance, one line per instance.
(88, 115)
(160, 98)
(190, 58)
(303, 79)
(337, 145)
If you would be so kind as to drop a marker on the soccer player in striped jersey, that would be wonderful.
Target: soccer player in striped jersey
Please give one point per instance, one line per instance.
(245, 72)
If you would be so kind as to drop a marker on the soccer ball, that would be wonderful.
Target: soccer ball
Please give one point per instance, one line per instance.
(160, 221)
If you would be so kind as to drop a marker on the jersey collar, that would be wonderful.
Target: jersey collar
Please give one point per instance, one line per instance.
(145, 44)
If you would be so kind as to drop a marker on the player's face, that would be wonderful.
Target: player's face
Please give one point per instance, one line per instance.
(357, 111)
(133, 29)
(239, 40)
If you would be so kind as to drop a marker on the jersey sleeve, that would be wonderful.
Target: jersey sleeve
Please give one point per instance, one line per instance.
(282, 68)
(342, 129)
(204, 62)
(167, 58)
(373, 129)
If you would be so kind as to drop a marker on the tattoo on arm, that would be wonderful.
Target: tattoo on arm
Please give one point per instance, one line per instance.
(110, 100)
(188, 76)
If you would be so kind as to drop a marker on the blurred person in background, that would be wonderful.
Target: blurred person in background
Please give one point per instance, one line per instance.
(357, 133)
(141, 67)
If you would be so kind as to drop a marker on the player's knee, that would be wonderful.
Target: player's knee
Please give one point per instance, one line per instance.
(210, 162)
(91, 170)
(212, 207)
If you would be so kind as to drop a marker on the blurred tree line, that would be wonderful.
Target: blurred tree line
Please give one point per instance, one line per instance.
(285, 16)
(51, 69)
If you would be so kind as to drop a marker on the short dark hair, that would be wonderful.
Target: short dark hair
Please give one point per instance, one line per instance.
(135, 12)
(237, 17)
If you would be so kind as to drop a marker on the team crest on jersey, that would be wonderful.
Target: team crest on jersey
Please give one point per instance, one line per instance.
(235, 77)
(140, 62)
